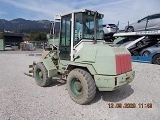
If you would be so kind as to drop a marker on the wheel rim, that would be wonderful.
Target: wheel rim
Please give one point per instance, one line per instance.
(130, 29)
(146, 53)
(39, 75)
(76, 87)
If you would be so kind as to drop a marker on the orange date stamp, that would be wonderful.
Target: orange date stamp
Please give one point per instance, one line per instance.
(130, 105)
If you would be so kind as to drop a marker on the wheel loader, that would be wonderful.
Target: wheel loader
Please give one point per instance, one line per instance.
(83, 59)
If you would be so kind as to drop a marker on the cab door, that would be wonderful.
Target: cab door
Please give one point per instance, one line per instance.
(65, 38)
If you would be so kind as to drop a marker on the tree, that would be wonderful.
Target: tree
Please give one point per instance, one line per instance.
(38, 36)
(42, 36)
(1, 36)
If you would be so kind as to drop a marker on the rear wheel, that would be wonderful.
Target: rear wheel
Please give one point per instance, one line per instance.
(156, 59)
(130, 29)
(81, 86)
(41, 75)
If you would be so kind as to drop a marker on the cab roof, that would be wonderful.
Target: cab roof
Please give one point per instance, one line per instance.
(77, 11)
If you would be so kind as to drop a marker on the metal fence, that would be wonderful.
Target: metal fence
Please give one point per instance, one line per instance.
(27, 46)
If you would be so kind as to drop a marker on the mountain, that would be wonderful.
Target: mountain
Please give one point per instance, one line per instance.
(20, 25)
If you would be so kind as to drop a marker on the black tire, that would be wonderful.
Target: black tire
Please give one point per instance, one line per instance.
(41, 80)
(146, 53)
(130, 29)
(156, 59)
(81, 86)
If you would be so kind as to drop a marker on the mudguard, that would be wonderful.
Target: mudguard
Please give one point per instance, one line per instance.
(89, 67)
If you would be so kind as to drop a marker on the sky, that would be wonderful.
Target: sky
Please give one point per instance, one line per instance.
(113, 10)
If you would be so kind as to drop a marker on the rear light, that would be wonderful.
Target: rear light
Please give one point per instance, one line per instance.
(123, 63)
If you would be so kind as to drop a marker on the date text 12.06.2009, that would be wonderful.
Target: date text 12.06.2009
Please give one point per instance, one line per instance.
(130, 105)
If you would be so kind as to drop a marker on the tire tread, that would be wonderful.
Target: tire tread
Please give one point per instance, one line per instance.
(90, 84)
(46, 80)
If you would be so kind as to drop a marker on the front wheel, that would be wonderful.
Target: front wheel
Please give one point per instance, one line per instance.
(41, 75)
(81, 86)
(146, 53)
(156, 59)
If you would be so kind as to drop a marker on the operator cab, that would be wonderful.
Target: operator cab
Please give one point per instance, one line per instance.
(82, 25)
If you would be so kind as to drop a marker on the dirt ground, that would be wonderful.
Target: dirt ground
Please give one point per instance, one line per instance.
(21, 98)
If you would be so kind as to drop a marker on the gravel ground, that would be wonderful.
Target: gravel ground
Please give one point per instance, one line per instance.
(22, 99)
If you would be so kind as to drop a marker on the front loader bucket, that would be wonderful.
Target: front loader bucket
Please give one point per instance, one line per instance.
(32, 67)
(32, 70)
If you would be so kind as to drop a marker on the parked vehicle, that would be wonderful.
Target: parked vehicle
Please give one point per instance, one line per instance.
(110, 28)
(124, 41)
(150, 22)
(8, 47)
(79, 62)
(145, 42)
(149, 50)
